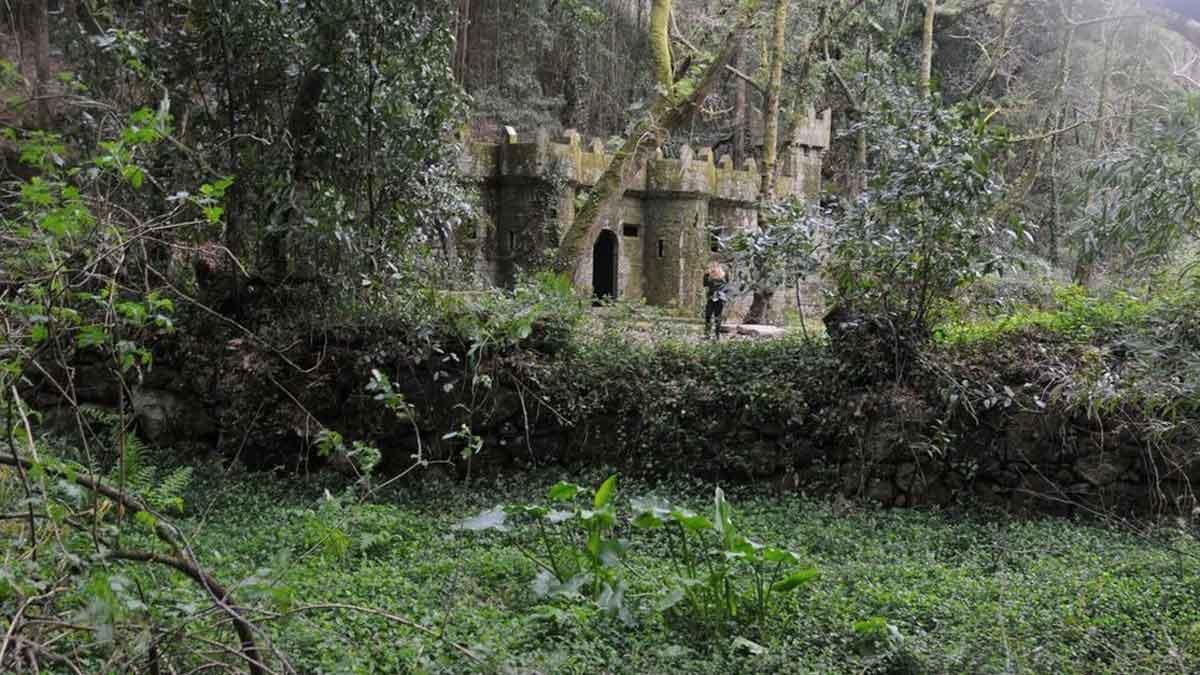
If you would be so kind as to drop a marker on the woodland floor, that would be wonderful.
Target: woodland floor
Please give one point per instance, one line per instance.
(967, 593)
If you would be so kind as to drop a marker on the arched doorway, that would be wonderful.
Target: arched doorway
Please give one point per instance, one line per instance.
(604, 265)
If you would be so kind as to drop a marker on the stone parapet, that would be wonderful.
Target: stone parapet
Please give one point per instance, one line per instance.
(516, 160)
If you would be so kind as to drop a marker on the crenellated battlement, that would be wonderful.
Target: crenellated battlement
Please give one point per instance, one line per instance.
(514, 159)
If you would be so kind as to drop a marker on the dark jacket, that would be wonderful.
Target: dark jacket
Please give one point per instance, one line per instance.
(716, 290)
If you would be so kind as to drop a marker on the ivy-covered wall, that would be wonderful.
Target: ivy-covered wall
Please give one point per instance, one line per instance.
(977, 424)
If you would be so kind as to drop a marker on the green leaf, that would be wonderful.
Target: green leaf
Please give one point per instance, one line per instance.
(743, 645)
(611, 551)
(779, 555)
(556, 517)
(146, 520)
(796, 579)
(647, 521)
(563, 492)
(602, 519)
(669, 600)
(492, 519)
(283, 598)
(605, 494)
(546, 586)
(690, 521)
(613, 600)
(724, 519)
(872, 627)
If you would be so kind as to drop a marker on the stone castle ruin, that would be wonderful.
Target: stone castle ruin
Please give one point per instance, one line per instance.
(672, 218)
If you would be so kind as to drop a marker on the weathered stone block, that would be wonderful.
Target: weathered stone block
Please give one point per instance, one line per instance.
(1102, 469)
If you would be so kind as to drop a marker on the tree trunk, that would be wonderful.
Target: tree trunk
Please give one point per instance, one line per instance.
(762, 296)
(1055, 199)
(660, 43)
(927, 48)
(1105, 77)
(37, 26)
(302, 125)
(666, 113)
(739, 108)
(759, 306)
(774, 87)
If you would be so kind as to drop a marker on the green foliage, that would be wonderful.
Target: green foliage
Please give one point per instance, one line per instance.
(966, 593)
(717, 576)
(1138, 204)
(1076, 313)
(781, 251)
(721, 576)
(576, 553)
(922, 228)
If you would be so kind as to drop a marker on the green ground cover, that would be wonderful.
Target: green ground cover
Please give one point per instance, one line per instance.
(929, 591)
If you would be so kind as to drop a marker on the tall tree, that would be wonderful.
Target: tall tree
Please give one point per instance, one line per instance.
(762, 296)
(774, 88)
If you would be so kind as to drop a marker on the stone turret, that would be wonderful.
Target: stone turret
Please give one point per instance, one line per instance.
(673, 211)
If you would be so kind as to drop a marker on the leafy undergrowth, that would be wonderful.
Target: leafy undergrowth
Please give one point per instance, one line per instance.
(899, 591)
(1072, 312)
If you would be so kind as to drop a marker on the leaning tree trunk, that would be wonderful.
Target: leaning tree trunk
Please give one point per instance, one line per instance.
(762, 296)
(660, 43)
(927, 48)
(774, 88)
(668, 112)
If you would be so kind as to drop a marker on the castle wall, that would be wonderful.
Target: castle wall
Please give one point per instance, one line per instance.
(669, 213)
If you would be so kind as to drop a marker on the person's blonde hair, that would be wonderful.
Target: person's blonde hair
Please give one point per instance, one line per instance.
(715, 270)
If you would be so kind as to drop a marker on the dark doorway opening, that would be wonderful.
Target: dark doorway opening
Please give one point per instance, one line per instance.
(604, 265)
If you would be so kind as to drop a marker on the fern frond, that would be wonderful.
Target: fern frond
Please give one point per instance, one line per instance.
(168, 494)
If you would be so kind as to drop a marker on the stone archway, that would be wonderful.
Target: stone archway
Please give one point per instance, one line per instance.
(604, 265)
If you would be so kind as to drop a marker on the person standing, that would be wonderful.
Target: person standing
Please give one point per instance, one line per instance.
(715, 294)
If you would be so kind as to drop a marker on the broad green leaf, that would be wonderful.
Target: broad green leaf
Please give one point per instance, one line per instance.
(563, 492)
(556, 517)
(690, 521)
(146, 520)
(605, 494)
(647, 521)
(772, 554)
(492, 519)
(545, 585)
(796, 579)
(611, 551)
(613, 600)
(669, 600)
(654, 505)
(602, 519)
(744, 645)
